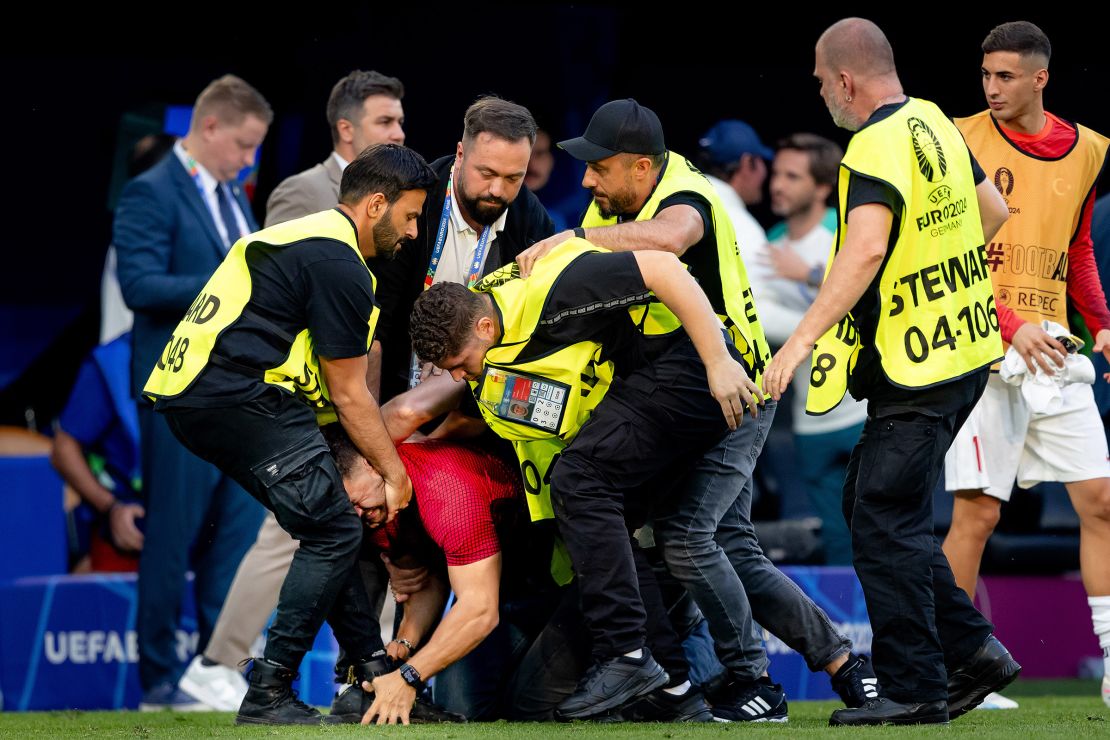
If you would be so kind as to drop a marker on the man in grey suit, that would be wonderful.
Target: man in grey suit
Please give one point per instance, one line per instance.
(364, 109)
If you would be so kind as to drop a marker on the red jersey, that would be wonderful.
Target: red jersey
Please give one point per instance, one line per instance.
(462, 495)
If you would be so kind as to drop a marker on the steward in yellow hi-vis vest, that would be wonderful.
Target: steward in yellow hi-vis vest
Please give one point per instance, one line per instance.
(1028, 258)
(738, 312)
(239, 386)
(541, 350)
(219, 344)
(937, 320)
(538, 404)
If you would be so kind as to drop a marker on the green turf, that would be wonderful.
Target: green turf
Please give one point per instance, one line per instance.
(1048, 709)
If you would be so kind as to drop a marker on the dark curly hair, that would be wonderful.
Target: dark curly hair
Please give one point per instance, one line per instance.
(442, 319)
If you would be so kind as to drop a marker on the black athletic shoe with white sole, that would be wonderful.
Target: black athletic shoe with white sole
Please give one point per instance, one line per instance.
(751, 701)
(855, 682)
(610, 684)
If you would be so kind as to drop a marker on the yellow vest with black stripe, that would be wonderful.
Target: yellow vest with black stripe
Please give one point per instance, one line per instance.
(740, 316)
(224, 301)
(538, 404)
(1028, 256)
(937, 320)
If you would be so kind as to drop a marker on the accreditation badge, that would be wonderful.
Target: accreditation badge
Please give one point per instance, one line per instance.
(524, 399)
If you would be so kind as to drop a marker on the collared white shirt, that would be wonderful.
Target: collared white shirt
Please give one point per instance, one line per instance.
(342, 162)
(749, 234)
(209, 185)
(459, 246)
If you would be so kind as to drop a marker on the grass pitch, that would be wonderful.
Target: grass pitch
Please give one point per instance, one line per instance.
(1070, 709)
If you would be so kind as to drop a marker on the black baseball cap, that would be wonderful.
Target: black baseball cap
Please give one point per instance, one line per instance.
(618, 126)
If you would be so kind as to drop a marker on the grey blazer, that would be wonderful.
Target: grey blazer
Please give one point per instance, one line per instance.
(316, 189)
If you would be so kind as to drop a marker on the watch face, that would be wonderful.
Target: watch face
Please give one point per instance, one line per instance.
(412, 678)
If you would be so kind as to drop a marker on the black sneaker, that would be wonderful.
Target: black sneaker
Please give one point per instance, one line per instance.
(663, 706)
(426, 712)
(991, 668)
(610, 684)
(271, 700)
(751, 701)
(887, 712)
(855, 681)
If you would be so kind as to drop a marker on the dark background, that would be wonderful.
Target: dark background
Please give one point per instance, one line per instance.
(69, 79)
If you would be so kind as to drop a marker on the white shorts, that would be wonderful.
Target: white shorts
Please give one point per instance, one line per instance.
(1002, 441)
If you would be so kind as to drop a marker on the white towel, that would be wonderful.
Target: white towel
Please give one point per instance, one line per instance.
(1042, 390)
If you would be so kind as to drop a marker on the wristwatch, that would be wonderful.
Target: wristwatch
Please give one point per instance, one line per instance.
(412, 678)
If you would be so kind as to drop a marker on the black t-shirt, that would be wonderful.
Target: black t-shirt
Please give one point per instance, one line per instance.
(590, 302)
(868, 379)
(319, 284)
(701, 257)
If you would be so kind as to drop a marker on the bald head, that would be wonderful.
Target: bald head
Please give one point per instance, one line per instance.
(858, 46)
(856, 68)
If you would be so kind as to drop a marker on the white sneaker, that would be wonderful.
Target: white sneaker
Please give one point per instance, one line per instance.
(217, 687)
(1106, 690)
(998, 701)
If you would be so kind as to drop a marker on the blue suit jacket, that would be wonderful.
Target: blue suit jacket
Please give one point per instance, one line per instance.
(167, 246)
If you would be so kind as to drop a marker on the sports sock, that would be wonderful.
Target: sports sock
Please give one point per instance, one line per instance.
(1100, 619)
(679, 690)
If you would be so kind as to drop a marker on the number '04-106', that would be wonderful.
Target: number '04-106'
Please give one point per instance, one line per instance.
(977, 321)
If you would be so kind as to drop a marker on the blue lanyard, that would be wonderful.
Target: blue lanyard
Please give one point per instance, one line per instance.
(441, 240)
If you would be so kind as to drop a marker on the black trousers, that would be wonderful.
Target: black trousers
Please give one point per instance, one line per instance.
(657, 420)
(559, 654)
(923, 623)
(274, 449)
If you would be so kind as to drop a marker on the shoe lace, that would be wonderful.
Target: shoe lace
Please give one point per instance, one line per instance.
(291, 695)
(851, 683)
(591, 672)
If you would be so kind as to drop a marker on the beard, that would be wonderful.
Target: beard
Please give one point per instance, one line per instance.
(386, 238)
(790, 209)
(841, 116)
(485, 213)
(618, 204)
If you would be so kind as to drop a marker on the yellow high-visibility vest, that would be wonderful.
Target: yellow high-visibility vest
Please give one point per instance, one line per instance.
(937, 319)
(224, 300)
(539, 404)
(740, 316)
